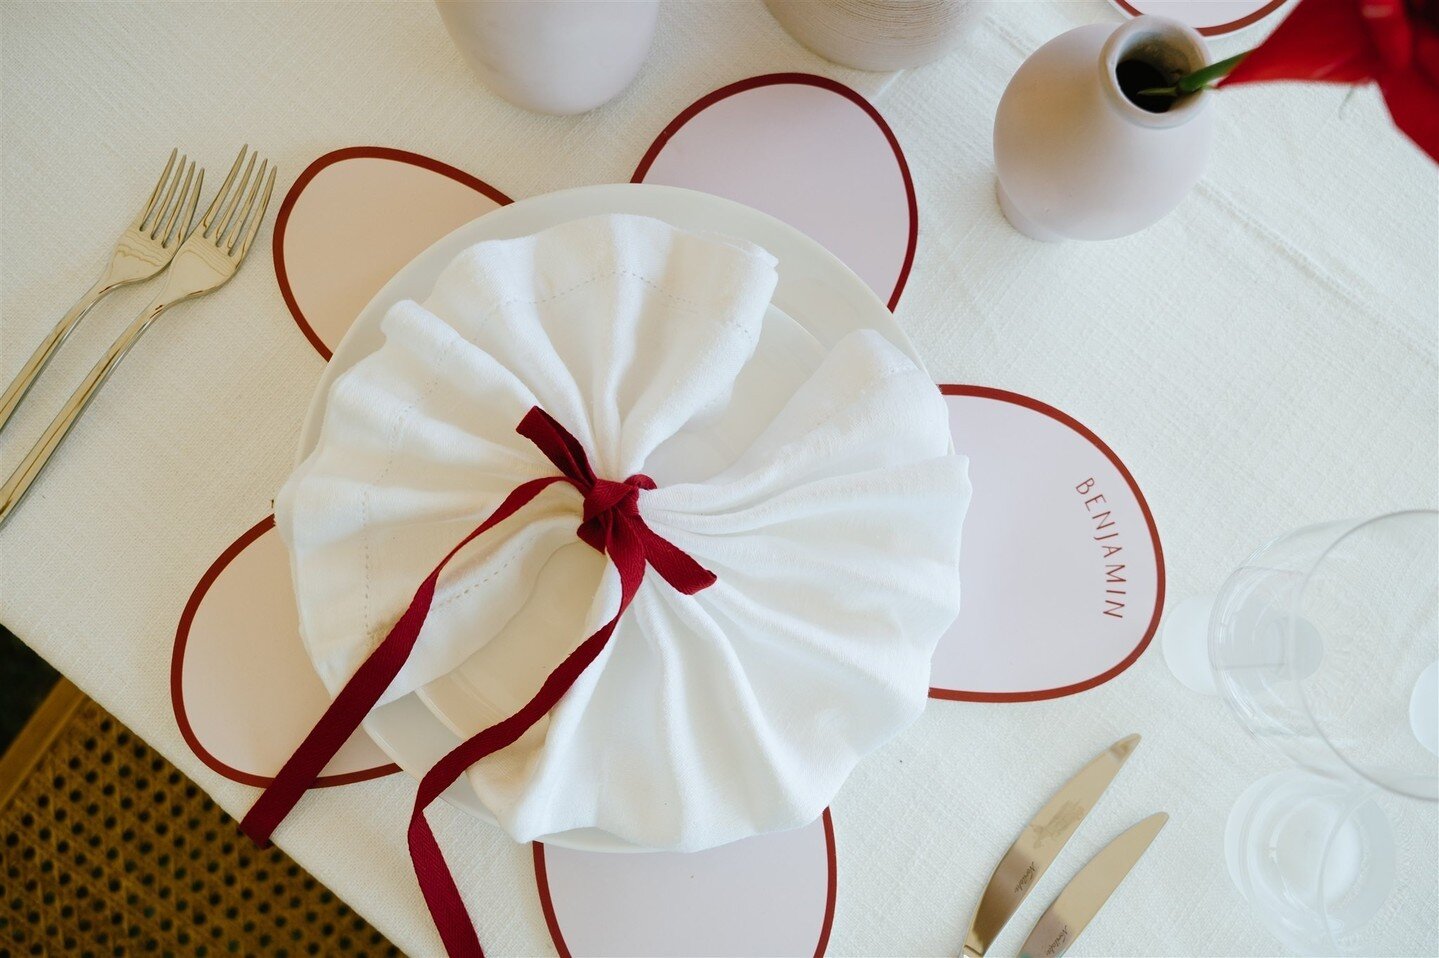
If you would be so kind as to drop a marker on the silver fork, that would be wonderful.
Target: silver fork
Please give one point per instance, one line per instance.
(204, 262)
(144, 249)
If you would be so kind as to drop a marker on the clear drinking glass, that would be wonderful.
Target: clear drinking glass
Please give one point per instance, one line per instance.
(1317, 860)
(1324, 645)
(1320, 640)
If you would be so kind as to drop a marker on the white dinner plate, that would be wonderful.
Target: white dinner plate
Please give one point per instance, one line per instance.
(815, 290)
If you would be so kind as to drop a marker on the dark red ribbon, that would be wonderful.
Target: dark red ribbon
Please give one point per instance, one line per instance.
(612, 524)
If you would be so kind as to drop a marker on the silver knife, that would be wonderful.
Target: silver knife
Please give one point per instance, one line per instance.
(1087, 892)
(1036, 847)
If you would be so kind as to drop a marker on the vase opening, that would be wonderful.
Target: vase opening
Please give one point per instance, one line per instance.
(1152, 52)
(1135, 76)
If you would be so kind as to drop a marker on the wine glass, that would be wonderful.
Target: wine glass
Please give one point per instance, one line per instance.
(1324, 645)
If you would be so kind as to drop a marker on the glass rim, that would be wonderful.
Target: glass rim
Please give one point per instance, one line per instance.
(1295, 606)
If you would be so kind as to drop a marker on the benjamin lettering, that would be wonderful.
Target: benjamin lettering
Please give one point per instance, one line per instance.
(1106, 536)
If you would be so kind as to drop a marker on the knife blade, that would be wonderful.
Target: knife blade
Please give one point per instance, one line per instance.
(1087, 892)
(1036, 847)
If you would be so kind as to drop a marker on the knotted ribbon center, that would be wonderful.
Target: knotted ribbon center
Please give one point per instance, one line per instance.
(607, 503)
(611, 520)
(611, 523)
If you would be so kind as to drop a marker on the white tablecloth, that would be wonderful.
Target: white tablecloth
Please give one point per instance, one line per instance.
(1263, 358)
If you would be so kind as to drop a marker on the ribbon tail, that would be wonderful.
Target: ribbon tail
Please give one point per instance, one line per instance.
(442, 895)
(674, 565)
(558, 445)
(364, 688)
(339, 721)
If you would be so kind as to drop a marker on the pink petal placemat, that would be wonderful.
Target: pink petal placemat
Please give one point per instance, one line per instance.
(817, 155)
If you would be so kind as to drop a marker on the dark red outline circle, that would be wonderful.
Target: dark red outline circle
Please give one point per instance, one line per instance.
(824, 83)
(282, 218)
(1218, 29)
(177, 667)
(547, 904)
(954, 695)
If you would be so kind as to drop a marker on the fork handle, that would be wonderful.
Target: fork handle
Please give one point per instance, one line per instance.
(36, 364)
(30, 467)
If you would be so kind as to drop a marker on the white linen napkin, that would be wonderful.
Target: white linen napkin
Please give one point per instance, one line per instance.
(834, 533)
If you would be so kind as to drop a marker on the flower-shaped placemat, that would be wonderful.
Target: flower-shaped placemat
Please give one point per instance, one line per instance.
(817, 155)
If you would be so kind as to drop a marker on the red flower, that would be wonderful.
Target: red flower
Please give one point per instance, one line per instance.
(1392, 42)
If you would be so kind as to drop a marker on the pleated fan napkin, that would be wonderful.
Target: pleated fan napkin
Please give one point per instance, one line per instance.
(832, 533)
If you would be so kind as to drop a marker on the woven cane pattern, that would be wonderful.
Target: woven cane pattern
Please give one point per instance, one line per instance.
(108, 850)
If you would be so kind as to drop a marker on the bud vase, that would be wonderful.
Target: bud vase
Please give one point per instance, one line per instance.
(1080, 153)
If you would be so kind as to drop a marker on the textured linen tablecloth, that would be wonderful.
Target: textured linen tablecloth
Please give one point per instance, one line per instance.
(1263, 358)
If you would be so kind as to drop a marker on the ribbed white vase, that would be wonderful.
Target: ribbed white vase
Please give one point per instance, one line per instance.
(877, 34)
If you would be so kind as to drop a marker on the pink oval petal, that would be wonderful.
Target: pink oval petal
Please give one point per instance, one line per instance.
(808, 151)
(1061, 568)
(242, 687)
(768, 895)
(353, 219)
(1212, 18)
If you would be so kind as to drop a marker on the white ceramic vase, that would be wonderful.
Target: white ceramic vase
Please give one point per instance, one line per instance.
(1075, 157)
(560, 58)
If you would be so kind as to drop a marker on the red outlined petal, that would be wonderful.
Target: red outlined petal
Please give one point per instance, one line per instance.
(768, 895)
(808, 151)
(1211, 18)
(1061, 567)
(243, 690)
(353, 219)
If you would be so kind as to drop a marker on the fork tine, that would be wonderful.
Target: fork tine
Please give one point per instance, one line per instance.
(209, 216)
(236, 225)
(168, 232)
(259, 215)
(165, 218)
(222, 222)
(150, 203)
(188, 223)
(157, 215)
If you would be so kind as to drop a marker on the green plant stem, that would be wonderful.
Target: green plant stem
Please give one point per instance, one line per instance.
(1199, 79)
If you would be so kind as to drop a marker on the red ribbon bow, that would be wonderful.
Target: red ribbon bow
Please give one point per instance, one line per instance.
(611, 524)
